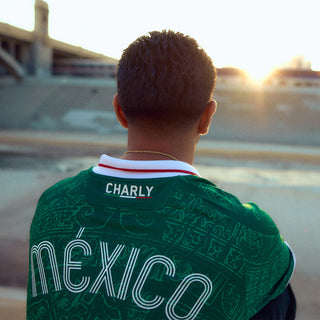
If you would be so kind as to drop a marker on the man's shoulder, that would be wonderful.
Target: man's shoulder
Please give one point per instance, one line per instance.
(210, 192)
(229, 205)
(66, 185)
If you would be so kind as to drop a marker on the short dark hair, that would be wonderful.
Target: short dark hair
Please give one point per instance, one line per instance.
(165, 77)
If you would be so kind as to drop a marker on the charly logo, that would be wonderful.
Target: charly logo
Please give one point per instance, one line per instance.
(129, 191)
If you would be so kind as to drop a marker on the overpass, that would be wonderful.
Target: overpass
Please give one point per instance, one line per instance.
(34, 53)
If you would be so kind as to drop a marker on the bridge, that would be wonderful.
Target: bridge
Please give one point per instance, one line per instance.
(34, 53)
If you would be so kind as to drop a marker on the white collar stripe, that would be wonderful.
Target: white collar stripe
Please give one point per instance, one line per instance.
(147, 170)
(142, 169)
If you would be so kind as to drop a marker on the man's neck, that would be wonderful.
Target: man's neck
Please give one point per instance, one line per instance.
(160, 146)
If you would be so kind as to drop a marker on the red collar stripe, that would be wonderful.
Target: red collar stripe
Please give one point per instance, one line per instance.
(148, 170)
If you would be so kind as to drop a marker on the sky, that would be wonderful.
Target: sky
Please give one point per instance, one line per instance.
(254, 35)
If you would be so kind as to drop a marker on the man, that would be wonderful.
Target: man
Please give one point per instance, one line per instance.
(144, 236)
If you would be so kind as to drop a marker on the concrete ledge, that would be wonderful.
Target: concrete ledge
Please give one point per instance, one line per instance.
(46, 142)
(260, 151)
(65, 143)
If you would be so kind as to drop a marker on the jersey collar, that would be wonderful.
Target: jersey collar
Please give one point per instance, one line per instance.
(121, 168)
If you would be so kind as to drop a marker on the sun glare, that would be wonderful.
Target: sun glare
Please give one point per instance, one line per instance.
(258, 72)
(258, 75)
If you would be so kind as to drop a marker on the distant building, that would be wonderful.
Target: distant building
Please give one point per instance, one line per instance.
(296, 73)
(83, 68)
(230, 75)
(294, 78)
(24, 53)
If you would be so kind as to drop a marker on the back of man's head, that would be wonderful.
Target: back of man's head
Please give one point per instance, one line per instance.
(164, 79)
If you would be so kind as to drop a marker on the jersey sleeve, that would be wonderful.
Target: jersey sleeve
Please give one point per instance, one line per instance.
(269, 262)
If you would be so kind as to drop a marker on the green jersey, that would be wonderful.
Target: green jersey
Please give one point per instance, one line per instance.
(151, 240)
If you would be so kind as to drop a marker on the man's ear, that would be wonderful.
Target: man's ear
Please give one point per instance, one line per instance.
(206, 117)
(119, 113)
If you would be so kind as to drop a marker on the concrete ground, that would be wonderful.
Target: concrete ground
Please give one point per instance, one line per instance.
(284, 181)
